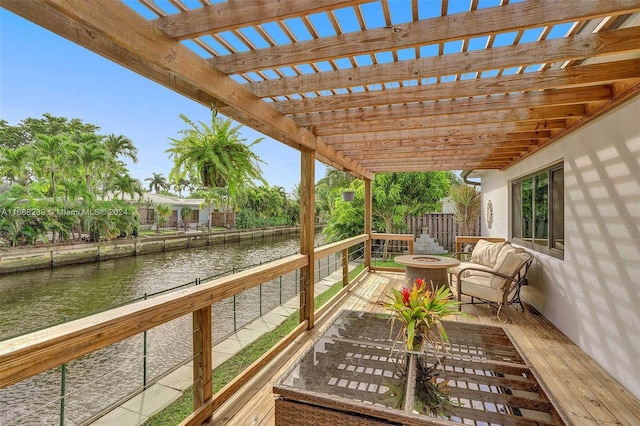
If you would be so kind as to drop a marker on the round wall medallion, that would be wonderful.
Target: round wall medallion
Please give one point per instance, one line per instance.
(489, 214)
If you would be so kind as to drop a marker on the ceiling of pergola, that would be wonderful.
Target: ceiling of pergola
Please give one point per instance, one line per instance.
(388, 85)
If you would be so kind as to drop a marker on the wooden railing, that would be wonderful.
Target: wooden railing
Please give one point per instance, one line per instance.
(392, 237)
(25, 356)
(441, 226)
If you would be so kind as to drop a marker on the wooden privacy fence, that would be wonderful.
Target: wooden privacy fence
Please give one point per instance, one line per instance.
(441, 226)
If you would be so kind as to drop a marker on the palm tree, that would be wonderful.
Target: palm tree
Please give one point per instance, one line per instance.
(468, 205)
(121, 146)
(10, 224)
(210, 197)
(92, 155)
(185, 213)
(126, 223)
(125, 184)
(14, 164)
(99, 225)
(117, 146)
(53, 152)
(75, 189)
(179, 184)
(215, 153)
(157, 182)
(163, 211)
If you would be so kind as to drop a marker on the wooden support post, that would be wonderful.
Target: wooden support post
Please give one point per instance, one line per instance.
(307, 228)
(367, 222)
(202, 362)
(345, 267)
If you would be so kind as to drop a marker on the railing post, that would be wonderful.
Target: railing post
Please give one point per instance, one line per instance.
(202, 362)
(345, 267)
(367, 222)
(307, 234)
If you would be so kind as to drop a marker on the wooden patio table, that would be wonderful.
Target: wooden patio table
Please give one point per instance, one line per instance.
(352, 376)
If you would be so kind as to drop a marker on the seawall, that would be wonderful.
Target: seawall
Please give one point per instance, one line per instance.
(41, 257)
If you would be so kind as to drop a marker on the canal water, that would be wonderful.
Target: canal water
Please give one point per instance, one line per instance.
(38, 299)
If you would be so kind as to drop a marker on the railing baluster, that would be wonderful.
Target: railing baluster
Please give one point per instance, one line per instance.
(63, 387)
(63, 392)
(144, 354)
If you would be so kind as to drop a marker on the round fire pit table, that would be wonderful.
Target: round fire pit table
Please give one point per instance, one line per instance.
(433, 269)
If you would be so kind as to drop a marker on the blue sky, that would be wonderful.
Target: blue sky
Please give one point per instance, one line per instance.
(43, 72)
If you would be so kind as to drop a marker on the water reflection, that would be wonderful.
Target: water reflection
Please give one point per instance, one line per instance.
(38, 299)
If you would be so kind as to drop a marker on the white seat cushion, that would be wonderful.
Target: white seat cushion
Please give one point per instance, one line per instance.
(480, 287)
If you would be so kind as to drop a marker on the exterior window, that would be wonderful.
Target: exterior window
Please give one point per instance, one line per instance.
(557, 212)
(537, 211)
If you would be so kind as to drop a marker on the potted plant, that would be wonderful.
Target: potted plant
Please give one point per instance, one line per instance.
(420, 312)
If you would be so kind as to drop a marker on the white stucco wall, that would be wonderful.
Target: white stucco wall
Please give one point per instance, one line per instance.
(593, 295)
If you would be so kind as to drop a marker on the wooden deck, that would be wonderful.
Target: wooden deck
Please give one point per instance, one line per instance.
(582, 392)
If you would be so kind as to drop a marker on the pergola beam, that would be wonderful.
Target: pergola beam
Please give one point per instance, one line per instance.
(514, 115)
(410, 153)
(541, 52)
(460, 130)
(458, 26)
(235, 14)
(507, 139)
(582, 76)
(544, 99)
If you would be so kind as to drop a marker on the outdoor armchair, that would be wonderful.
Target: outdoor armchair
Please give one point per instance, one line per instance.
(500, 285)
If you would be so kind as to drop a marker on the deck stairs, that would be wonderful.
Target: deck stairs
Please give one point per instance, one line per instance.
(425, 244)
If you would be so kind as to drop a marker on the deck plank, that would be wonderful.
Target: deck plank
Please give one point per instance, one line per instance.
(581, 390)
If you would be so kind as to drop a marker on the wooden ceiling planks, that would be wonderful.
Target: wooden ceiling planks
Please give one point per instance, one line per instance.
(376, 85)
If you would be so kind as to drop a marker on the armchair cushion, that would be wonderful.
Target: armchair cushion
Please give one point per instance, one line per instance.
(486, 256)
(464, 265)
(486, 253)
(479, 286)
(507, 248)
(510, 266)
(492, 286)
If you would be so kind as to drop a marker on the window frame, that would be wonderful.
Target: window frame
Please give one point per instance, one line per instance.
(549, 247)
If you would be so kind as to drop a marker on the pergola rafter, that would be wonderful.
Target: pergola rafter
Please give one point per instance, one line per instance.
(355, 87)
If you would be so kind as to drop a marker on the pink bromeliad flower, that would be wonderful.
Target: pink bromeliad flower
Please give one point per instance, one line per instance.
(419, 283)
(406, 294)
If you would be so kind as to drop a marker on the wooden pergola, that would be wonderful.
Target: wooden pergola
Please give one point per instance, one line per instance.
(376, 86)
(363, 86)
